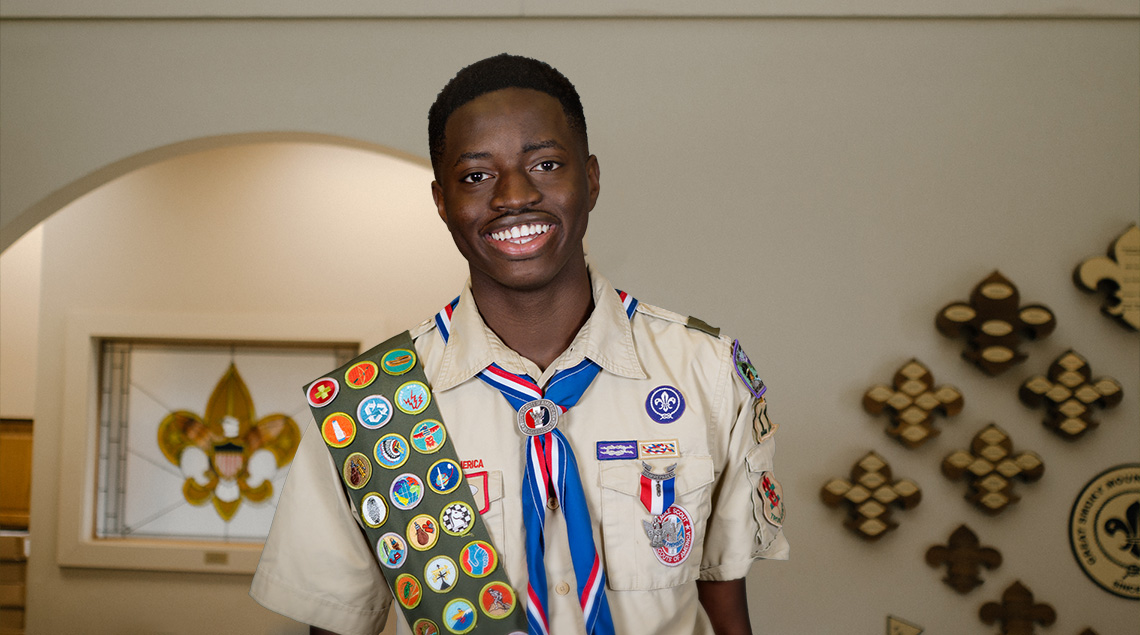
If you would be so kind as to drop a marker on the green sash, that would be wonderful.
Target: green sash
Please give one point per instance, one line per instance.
(380, 422)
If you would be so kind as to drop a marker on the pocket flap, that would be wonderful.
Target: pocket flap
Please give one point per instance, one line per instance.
(760, 458)
(625, 476)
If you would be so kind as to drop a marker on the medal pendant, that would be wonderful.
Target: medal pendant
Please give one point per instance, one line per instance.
(538, 417)
(655, 531)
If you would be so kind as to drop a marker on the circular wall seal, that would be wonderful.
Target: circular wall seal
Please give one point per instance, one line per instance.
(1104, 530)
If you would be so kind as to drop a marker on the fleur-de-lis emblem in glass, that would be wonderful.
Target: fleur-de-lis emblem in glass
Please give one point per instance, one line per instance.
(1129, 525)
(228, 454)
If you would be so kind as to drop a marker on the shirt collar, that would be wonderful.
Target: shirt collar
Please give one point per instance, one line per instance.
(606, 338)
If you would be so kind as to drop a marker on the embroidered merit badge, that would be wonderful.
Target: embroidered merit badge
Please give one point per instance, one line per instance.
(424, 626)
(675, 528)
(665, 404)
(478, 483)
(360, 375)
(357, 470)
(459, 616)
(746, 371)
(423, 532)
(374, 411)
(398, 361)
(444, 476)
(440, 574)
(427, 436)
(407, 491)
(762, 426)
(497, 600)
(659, 449)
(391, 451)
(613, 450)
(373, 510)
(413, 397)
(392, 550)
(773, 496)
(338, 430)
(478, 559)
(538, 417)
(408, 591)
(322, 391)
(456, 518)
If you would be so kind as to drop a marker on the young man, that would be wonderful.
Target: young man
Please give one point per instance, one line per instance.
(666, 443)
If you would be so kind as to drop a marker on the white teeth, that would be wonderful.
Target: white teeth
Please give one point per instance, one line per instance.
(520, 234)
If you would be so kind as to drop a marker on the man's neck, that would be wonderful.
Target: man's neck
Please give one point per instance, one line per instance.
(537, 324)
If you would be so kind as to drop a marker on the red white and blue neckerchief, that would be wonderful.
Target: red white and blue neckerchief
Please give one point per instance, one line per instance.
(552, 473)
(657, 491)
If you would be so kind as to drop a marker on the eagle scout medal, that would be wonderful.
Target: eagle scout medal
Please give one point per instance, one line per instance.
(422, 532)
(444, 476)
(497, 600)
(361, 374)
(440, 574)
(398, 361)
(746, 371)
(428, 436)
(538, 417)
(459, 616)
(357, 470)
(391, 451)
(392, 550)
(456, 518)
(322, 392)
(657, 491)
(665, 404)
(338, 430)
(424, 626)
(374, 412)
(373, 510)
(406, 492)
(413, 397)
(773, 496)
(674, 531)
(407, 591)
(478, 559)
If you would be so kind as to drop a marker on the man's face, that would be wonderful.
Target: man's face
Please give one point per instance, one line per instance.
(515, 188)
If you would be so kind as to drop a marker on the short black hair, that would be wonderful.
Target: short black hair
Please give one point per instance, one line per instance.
(496, 73)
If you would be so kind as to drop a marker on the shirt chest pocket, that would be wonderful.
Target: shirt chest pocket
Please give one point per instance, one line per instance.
(632, 564)
(487, 490)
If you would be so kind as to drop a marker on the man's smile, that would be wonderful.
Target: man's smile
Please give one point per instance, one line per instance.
(520, 234)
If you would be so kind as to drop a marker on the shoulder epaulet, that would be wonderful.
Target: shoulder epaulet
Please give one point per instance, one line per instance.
(423, 327)
(688, 321)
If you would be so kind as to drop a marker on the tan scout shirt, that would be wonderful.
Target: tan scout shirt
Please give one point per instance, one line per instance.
(318, 569)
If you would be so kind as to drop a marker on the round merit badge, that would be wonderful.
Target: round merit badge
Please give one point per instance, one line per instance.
(357, 470)
(427, 436)
(497, 599)
(440, 574)
(413, 397)
(391, 550)
(676, 528)
(444, 476)
(391, 451)
(746, 371)
(398, 361)
(424, 626)
(538, 417)
(665, 404)
(408, 591)
(407, 490)
(422, 532)
(459, 616)
(374, 411)
(373, 510)
(1104, 530)
(456, 518)
(478, 559)
(773, 495)
(360, 374)
(338, 430)
(322, 391)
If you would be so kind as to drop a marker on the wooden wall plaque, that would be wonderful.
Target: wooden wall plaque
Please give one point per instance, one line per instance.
(1068, 394)
(869, 496)
(911, 403)
(1118, 276)
(991, 466)
(964, 556)
(1017, 611)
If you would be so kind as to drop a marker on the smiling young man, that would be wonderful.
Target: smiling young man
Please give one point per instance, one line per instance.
(627, 490)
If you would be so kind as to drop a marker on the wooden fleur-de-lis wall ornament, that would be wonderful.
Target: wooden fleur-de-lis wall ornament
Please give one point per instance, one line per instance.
(1069, 393)
(991, 466)
(995, 323)
(1118, 276)
(964, 556)
(869, 495)
(1017, 612)
(911, 403)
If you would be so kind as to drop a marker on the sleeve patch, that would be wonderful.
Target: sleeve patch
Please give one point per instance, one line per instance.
(762, 426)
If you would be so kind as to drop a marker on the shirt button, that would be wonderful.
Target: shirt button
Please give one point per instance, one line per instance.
(552, 503)
(562, 588)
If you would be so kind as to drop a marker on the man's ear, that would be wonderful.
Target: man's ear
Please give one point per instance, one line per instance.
(593, 179)
(437, 196)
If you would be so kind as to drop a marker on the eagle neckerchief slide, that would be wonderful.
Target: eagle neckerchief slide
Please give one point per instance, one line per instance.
(380, 422)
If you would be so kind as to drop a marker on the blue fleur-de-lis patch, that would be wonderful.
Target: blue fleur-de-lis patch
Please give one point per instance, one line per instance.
(665, 404)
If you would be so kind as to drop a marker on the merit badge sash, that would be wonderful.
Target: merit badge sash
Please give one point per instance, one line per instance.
(380, 422)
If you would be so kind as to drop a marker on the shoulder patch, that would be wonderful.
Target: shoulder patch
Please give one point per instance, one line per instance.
(701, 325)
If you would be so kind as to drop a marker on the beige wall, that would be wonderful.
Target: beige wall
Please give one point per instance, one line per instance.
(19, 324)
(817, 188)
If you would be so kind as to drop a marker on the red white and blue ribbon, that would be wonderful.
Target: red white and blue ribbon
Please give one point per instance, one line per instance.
(552, 474)
(657, 491)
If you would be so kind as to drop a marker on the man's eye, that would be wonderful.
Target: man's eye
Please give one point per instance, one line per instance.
(547, 166)
(474, 177)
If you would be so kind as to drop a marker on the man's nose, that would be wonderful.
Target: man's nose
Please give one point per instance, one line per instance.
(514, 191)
